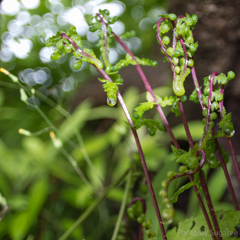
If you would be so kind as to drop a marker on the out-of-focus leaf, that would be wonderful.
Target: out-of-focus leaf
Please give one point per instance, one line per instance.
(196, 130)
(76, 122)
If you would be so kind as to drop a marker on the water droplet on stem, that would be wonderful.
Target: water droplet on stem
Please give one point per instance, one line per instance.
(111, 102)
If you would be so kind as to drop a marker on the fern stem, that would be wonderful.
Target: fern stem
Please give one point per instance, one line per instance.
(185, 124)
(220, 156)
(144, 167)
(203, 209)
(210, 206)
(196, 84)
(149, 89)
(127, 114)
(229, 140)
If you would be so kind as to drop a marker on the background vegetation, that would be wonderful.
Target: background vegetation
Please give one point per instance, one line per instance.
(44, 193)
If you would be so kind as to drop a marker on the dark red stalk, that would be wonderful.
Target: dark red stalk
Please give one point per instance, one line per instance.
(105, 39)
(124, 107)
(220, 156)
(149, 89)
(229, 140)
(210, 205)
(184, 120)
(203, 209)
(196, 84)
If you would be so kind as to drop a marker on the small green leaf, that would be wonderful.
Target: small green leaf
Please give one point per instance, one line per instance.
(174, 198)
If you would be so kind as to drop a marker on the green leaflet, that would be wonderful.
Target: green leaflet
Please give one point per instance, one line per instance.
(111, 88)
(189, 158)
(175, 107)
(195, 228)
(167, 101)
(226, 125)
(174, 198)
(151, 124)
(128, 60)
(138, 112)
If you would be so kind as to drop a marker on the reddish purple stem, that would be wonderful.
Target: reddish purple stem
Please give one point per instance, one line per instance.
(196, 84)
(124, 107)
(105, 36)
(185, 53)
(149, 89)
(229, 140)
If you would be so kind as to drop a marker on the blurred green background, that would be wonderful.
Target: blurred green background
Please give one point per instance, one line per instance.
(44, 193)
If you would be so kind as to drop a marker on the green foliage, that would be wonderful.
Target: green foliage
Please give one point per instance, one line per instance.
(151, 124)
(136, 212)
(129, 60)
(174, 198)
(195, 228)
(111, 89)
(226, 125)
(143, 107)
(189, 158)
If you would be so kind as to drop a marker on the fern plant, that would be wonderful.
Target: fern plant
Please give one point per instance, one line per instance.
(193, 163)
(180, 56)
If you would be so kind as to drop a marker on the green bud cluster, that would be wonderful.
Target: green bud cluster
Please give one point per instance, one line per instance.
(183, 29)
(168, 212)
(136, 212)
(216, 97)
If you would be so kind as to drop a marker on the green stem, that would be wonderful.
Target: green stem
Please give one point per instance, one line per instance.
(92, 207)
(123, 205)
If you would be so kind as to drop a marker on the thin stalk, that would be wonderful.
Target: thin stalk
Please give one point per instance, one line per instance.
(149, 89)
(123, 205)
(77, 169)
(185, 124)
(203, 209)
(229, 140)
(224, 167)
(196, 84)
(92, 207)
(124, 107)
(210, 206)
